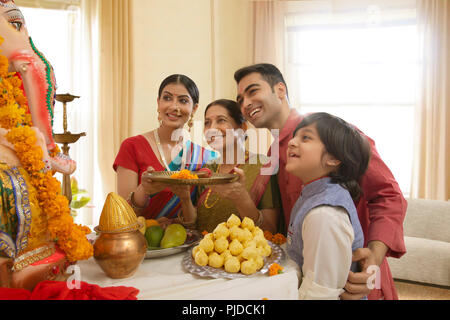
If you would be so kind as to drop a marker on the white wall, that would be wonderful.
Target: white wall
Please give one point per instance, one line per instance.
(207, 40)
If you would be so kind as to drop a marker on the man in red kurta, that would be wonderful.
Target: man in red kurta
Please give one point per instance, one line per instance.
(263, 97)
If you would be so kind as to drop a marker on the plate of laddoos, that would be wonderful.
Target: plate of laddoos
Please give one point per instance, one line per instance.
(174, 239)
(235, 249)
(187, 177)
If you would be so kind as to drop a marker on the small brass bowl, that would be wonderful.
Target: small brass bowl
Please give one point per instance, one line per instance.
(119, 254)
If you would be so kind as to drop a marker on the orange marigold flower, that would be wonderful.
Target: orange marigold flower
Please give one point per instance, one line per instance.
(15, 117)
(204, 233)
(275, 269)
(279, 239)
(184, 174)
(268, 235)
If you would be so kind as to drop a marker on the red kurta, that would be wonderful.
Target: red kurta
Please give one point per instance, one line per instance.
(381, 208)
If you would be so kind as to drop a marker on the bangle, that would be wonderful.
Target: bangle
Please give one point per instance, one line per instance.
(133, 204)
(188, 225)
(260, 219)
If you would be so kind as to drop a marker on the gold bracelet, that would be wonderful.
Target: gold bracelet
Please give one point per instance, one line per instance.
(260, 219)
(133, 204)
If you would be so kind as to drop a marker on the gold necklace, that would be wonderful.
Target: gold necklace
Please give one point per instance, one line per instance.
(209, 193)
(161, 152)
(218, 197)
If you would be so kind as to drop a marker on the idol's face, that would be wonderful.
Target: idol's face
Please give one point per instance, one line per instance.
(306, 155)
(218, 123)
(259, 102)
(13, 15)
(175, 105)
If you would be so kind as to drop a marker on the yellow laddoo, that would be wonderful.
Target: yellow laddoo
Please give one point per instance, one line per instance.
(240, 258)
(215, 260)
(248, 267)
(245, 235)
(221, 244)
(259, 262)
(226, 254)
(232, 265)
(248, 223)
(235, 247)
(233, 220)
(260, 240)
(267, 250)
(201, 258)
(209, 236)
(257, 231)
(221, 231)
(250, 253)
(195, 250)
(250, 243)
(207, 245)
(236, 232)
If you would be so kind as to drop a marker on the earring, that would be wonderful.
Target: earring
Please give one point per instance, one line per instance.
(159, 119)
(190, 122)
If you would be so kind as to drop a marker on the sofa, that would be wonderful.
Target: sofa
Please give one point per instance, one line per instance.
(427, 239)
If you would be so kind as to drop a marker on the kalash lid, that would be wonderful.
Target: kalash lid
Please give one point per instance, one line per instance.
(117, 216)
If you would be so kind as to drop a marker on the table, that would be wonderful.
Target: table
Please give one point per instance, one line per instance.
(165, 279)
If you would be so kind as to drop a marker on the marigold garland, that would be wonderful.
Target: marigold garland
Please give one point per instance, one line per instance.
(14, 116)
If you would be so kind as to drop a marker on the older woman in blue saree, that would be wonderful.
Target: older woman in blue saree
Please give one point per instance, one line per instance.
(254, 195)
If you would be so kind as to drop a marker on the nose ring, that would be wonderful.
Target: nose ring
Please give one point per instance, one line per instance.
(178, 111)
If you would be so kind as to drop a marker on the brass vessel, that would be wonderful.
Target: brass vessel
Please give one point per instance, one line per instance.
(121, 247)
(119, 254)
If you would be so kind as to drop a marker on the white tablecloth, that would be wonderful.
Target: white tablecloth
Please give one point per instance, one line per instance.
(165, 278)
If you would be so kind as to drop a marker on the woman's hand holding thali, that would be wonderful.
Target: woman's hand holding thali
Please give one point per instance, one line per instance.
(234, 191)
(150, 186)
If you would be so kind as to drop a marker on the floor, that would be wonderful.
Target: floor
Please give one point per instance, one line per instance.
(415, 291)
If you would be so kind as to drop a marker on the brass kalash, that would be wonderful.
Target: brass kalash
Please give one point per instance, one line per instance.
(120, 247)
(66, 139)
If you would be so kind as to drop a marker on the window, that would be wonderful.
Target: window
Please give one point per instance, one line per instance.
(364, 73)
(57, 34)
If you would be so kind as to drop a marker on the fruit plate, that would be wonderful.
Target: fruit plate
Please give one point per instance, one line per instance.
(193, 238)
(278, 256)
(216, 178)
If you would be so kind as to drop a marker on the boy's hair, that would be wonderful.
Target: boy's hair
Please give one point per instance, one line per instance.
(345, 143)
(271, 74)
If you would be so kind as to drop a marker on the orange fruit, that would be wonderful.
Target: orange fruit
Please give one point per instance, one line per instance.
(151, 222)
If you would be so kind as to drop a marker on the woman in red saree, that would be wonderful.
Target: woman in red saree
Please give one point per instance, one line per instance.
(160, 150)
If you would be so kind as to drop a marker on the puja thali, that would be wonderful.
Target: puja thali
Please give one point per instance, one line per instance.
(278, 256)
(215, 178)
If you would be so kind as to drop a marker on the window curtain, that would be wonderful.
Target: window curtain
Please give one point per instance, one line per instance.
(269, 32)
(115, 87)
(268, 47)
(107, 92)
(431, 175)
(86, 115)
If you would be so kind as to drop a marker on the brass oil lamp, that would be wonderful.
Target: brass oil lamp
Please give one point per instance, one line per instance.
(66, 138)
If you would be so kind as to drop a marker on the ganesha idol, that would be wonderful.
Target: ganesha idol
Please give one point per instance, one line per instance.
(38, 238)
